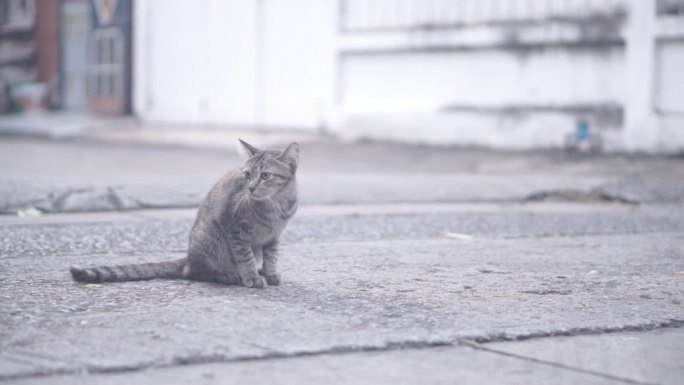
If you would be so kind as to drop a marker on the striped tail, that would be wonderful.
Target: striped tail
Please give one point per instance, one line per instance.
(139, 272)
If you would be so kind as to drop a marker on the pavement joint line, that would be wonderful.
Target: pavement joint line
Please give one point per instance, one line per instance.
(405, 208)
(479, 347)
(671, 323)
(216, 359)
(478, 343)
(474, 342)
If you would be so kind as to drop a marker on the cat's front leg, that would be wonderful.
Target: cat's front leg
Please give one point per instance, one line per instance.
(270, 269)
(243, 256)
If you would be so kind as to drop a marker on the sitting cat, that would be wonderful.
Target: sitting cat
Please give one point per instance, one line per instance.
(234, 240)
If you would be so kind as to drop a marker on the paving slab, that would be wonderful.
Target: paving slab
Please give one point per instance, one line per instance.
(645, 357)
(441, 365)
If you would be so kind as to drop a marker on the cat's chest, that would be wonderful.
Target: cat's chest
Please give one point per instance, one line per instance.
(266, 228)
(270, 220)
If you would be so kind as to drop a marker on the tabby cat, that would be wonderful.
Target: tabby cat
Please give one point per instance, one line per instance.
(234, 240)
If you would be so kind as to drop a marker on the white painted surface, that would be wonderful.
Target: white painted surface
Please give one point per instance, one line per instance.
(244, 62)
(641, 128)
(485, 78)
(669, 66)
(497, 131)
(298, 59)
(195, 64)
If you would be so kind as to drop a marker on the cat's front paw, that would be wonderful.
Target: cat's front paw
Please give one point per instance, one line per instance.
(257, 282)
(273, 279)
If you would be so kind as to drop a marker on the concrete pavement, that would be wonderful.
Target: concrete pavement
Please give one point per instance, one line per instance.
(404, 265)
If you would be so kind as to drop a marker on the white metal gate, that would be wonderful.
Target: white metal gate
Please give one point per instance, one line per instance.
(243, 62)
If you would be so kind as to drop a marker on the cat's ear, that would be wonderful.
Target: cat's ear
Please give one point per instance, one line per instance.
(290, 156)
(248, 149)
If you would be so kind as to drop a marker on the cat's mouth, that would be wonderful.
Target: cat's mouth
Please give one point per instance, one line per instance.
(258, 196)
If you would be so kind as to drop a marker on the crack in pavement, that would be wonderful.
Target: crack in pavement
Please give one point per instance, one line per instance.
(577, 331)
(92, 199)
(479, 347)
(114, 199)
(473, 341)
(55, 201)
(598, 194)
(88, 198)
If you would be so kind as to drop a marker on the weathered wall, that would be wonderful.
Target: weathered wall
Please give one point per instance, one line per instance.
(510, 75)
(513, 74)
(486, 97)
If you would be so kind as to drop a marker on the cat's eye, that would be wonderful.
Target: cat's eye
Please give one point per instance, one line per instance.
(247, 174)
(265, 175)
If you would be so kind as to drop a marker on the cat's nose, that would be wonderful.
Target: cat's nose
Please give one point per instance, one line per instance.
(251, 188)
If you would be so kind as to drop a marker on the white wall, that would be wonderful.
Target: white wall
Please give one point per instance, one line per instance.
(298, 62)
(486, 78)
(496, 99)
(516, 86)
(669, 66)
(516, 75)
(669, 95)
(513, 74)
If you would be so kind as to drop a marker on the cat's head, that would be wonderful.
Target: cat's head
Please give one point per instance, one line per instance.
(267, 172)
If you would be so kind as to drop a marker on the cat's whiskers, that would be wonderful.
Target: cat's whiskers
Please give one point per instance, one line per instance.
(241, 200)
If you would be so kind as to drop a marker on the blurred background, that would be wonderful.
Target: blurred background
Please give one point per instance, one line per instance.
(602, 75)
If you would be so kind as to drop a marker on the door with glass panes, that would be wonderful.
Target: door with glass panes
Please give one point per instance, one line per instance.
(109, 57)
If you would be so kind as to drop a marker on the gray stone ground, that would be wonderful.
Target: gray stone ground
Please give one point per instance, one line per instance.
(404, 265)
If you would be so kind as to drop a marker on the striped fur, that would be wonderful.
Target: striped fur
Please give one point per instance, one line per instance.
(234, 240)
(135, 272)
